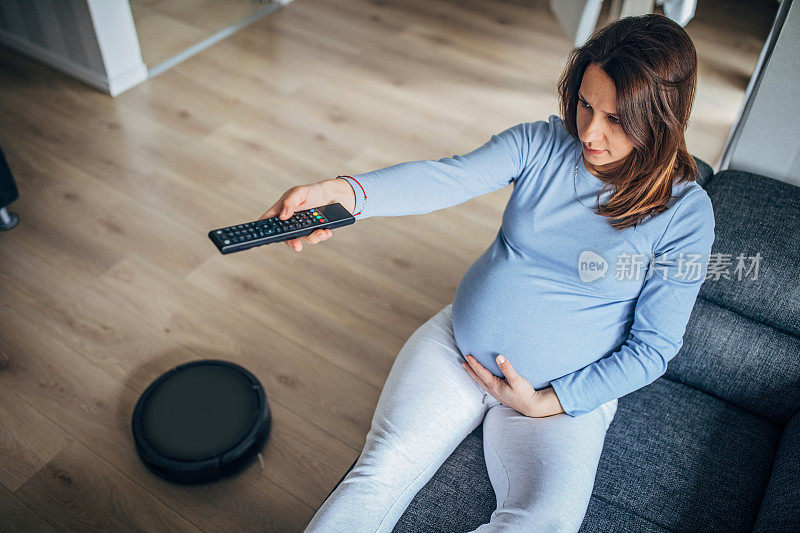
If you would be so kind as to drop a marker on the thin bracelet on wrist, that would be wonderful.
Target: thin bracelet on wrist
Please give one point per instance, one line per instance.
(362, 190)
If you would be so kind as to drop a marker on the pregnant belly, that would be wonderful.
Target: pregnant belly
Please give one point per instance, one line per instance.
(543, 326)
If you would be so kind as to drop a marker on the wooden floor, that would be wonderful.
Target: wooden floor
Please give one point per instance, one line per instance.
(109, 280)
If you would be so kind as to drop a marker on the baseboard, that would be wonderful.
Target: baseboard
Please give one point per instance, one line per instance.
(125, 80)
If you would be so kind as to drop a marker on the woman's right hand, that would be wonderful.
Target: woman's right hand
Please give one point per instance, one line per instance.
(298, 199)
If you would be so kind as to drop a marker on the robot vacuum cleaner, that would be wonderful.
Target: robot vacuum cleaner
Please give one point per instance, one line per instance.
(201, 421)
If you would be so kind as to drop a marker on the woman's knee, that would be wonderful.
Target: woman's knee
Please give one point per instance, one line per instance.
(556, 522)
(609, 411)
(552, 520)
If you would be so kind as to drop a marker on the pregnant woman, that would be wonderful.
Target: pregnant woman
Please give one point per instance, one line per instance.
(583, 296)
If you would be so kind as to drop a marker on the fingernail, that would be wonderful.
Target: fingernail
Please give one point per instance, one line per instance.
(501, 359)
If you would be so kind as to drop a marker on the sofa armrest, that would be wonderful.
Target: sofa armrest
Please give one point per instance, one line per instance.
(780, 508)
(704, 172)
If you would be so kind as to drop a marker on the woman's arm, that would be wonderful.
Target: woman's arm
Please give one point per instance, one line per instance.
(418, 187)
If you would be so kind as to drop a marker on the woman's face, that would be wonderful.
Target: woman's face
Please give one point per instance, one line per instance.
(604, 142)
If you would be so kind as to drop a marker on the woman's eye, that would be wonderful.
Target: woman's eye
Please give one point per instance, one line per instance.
(585, 105)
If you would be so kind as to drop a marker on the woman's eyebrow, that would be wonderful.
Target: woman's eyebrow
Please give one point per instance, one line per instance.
(587, 101)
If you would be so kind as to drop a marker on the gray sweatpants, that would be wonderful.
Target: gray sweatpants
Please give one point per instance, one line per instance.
(542, 469)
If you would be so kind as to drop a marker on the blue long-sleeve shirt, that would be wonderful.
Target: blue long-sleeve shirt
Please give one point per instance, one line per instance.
(571, 302)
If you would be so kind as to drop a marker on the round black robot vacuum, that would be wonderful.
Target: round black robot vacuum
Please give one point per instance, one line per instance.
(201, 421)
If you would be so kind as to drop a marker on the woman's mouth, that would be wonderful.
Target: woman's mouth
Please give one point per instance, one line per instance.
(592, 152)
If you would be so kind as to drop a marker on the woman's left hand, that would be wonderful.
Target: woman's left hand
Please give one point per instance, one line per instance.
(514, 391)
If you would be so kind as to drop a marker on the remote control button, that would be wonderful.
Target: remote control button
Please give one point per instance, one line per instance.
(226, 241)
(219, 232)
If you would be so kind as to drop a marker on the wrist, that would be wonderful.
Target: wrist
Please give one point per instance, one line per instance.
(553, 402)
(545, 403)
(340, 190)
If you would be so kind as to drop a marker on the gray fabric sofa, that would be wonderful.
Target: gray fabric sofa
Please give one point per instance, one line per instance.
(714, 444)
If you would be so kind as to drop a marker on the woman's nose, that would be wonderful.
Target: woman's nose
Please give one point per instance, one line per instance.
(592, 133)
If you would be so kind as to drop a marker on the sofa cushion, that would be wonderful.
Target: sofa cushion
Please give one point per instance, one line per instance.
(749, 364)
(674, 459)
(607, 517)
(741, 343)
(755, 214)
(685, 460)
(780, 510)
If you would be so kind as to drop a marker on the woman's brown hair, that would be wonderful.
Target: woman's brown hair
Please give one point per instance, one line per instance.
(653, 64)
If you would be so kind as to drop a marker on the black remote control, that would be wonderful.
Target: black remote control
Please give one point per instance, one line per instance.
(301, 223)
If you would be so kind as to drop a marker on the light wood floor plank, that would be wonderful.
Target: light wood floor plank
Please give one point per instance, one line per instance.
(78, 479)
(28, 440)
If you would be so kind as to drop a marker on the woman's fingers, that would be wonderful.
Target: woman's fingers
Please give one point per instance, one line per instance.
(319, 235)
(275, 210)
(487, 377)
(288, 203)
(474, 376)
(314, 238)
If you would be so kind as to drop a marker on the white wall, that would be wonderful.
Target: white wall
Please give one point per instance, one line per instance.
(92, 40)
(765, 139)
